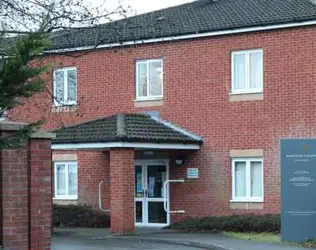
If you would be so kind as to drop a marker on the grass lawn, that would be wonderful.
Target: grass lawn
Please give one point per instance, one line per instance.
(261, 237)
(268, 238)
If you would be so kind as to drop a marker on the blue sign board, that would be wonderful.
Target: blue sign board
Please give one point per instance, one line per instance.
(298, 189)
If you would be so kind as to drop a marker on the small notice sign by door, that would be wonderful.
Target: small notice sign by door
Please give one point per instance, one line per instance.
(192, 173)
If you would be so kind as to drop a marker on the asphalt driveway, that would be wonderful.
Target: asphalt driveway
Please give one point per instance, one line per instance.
(68, 243)
(152, 239)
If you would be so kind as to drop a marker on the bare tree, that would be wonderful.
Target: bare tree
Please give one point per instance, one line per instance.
(27, 28)
(27, 16)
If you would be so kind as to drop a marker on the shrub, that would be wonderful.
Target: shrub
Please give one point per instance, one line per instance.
(79, 216)
(310, 243)
(233, 223)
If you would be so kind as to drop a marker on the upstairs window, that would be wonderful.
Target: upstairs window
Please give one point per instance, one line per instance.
(149, 79)
(66, 180)
(65, 86)
(247, 71)
(247, 179)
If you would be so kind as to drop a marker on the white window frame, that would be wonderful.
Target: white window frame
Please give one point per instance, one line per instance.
(248, 197)
(68, 103)
(149, 97)
(64, 197)
(247, 89)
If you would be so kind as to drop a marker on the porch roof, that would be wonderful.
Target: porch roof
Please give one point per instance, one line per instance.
(125, 128)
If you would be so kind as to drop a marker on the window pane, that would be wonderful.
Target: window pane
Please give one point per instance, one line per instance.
(72, 85)
(256, 70)
(240, 179)
(73, 179)
(256, 179)
(156, 78)
(139, 182)
(156, 213)
(61, 179)
(59, 85)
(139, 211)
(142, 80)
(239, 71)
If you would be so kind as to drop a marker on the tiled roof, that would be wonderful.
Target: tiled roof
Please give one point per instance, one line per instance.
(125, 128)
(191, 18)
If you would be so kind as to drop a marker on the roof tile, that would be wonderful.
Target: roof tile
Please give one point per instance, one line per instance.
(124, 128)
(196, 17)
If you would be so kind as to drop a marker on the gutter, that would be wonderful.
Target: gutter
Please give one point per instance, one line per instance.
(186, 37)
(135, 145)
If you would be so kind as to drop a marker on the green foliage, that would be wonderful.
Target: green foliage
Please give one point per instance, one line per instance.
(19, 75)
(310, 243)
(79, 216)
(233, 223)
(18, 139)
(20, 78)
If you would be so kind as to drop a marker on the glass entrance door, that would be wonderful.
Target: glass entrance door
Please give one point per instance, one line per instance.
(149, 194)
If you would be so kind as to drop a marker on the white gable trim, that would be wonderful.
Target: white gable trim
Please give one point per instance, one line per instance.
(174, 127)
(75, 146)
(185, 37)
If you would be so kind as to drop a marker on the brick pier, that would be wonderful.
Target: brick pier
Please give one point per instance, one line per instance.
(25, 192)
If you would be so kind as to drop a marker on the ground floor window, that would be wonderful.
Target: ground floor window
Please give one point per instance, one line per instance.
(66, 180)
(247, 179)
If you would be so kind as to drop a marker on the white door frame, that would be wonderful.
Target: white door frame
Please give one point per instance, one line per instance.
(145, 200)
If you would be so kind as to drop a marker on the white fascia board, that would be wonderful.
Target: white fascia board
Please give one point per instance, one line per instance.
(75, 146)
(185, 37)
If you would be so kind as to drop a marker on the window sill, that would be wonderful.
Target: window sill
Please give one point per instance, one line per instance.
(65, 198)
(149, 99)
(64, 108)
(247, 92)
(251, 96)
(246, 205)
(148, 103)
(246, 201)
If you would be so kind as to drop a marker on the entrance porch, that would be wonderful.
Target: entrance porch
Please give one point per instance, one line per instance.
(140, 149)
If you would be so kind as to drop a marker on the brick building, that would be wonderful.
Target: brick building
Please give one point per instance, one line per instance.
(201, 92)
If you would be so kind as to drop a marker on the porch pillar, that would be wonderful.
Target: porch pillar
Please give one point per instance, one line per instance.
(122, 182)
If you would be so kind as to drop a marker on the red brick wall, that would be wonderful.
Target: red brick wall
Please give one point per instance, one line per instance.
(122, 177)
(39, 195)
(197, 82)
(25, 196)
(14, 202)
(93, 167)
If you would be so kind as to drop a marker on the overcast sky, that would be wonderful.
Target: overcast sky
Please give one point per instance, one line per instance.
(142, 6)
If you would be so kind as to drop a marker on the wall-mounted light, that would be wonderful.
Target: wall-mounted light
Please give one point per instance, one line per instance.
(180, 161)
(148, 153)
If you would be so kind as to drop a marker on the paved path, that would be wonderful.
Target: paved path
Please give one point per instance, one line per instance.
(218, 242)
(157, 239)
(66, 243)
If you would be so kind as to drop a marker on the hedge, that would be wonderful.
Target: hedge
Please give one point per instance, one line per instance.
(79, 216)
(234, 223)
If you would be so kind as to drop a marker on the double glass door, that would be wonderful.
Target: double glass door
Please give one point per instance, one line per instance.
(150, 195)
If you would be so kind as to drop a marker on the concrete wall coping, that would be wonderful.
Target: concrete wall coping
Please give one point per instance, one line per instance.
(42, 134)
(6, 125)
